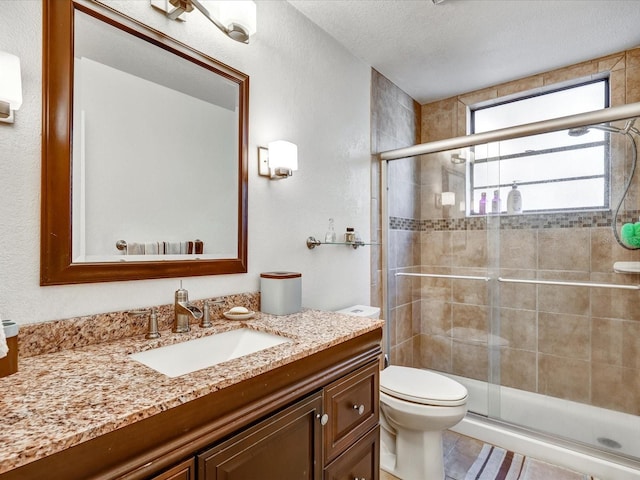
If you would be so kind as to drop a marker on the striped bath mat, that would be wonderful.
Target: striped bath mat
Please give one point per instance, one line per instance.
(496, 463)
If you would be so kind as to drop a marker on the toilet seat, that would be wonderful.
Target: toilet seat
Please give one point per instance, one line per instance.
(422, 386)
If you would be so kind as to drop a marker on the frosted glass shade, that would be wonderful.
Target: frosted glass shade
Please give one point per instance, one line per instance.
(240, 12)
(283, 154)
(10, 82)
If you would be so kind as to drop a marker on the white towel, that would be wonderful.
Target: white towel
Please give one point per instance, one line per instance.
(134, 248)
(4, 349)
(151, 248)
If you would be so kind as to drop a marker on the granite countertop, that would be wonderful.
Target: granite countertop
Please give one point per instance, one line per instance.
(58, 400)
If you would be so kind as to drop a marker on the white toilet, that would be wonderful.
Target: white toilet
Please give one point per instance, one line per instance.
(416, 407)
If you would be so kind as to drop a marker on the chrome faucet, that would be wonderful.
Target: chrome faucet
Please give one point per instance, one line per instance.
(184, 311)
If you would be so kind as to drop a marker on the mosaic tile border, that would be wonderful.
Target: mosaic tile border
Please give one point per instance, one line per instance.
(516, 222)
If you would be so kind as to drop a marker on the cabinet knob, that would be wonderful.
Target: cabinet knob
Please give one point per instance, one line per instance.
(324, 418)
(360, 410)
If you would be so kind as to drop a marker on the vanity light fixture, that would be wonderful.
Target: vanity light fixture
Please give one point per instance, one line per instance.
(235, 18)
(10, 86)
(279, 160)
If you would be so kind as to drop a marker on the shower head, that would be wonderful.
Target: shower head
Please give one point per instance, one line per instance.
(578, 131)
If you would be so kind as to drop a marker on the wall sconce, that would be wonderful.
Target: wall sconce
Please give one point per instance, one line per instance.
(445, 199)
(236, 19)
(279, 160)
(10, 86)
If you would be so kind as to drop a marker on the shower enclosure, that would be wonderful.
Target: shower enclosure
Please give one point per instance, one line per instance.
(525, 309)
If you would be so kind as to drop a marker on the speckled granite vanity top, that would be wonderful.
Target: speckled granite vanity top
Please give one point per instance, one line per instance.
(58, 400)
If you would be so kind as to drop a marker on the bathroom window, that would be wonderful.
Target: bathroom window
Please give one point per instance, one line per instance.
(556, 171)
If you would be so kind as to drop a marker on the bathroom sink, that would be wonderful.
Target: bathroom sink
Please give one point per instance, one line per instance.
(186, 357)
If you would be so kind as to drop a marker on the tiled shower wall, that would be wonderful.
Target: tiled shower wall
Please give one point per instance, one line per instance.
(570, 342)
(395, 123)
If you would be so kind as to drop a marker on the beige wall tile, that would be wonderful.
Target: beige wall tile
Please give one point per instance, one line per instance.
(435, 318)
(470, 322)
(435, 353)
(518, 249)
(564, 377)
(519, 328)
(564, 249)
(633, 58)
(631, 345)
(472, 292)
(572, 72)
(616, 388)
(633, 85)
(518, 369)
(470, 360)
(612, 62)
(571, 300)
(435, 248)
(518, 295)
(522, 85)
(403, 323)
(469, 248)
(564, 335)
(610, 303)
(606, 341)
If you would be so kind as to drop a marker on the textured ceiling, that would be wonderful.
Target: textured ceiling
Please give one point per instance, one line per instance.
(437, 51)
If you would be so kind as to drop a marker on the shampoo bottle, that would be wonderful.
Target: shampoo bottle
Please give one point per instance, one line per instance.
(514, 200)
(483, 204)
(495, 202)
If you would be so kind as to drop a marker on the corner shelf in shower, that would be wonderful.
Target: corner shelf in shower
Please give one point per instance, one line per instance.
(312, 243)
(626, 267)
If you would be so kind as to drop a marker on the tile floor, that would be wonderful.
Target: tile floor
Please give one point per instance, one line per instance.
(460, 452)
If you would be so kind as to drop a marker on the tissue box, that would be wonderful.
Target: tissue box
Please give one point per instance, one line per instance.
(280, 292)
(9, 364)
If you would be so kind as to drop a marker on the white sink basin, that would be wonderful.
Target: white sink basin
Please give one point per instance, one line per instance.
(181, 358)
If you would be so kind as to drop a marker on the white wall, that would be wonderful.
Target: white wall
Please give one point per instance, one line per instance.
(304, 88)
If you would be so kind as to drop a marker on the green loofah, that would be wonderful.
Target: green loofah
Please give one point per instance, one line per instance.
(630, 234)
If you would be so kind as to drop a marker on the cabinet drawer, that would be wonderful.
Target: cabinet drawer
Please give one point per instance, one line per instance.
(352, 404)
(361, 461)
(183, 471)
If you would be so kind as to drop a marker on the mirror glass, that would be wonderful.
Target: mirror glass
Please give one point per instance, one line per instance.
(155, 157)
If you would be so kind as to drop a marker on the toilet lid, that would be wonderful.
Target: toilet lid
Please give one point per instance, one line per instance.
(421, 386)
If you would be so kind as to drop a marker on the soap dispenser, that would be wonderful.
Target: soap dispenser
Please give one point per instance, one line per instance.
(514, 200)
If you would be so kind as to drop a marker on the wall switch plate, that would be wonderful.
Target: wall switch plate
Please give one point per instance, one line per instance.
(263, 162)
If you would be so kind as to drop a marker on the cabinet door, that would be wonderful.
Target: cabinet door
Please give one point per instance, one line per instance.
(286, 446)
(361, 461)
(183, 471)
(352, 404)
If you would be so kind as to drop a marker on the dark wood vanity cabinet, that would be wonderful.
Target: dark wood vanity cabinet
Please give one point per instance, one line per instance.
(314, 418)
(298, 443)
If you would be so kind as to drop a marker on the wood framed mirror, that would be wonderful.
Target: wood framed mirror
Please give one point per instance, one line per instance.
(138, 164)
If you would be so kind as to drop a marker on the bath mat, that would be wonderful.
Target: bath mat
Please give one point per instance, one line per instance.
(495, 463)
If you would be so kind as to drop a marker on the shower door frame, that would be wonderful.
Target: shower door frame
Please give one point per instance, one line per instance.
(611, 114)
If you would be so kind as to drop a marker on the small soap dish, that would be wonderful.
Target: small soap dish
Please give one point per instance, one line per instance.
(626, 267)
(239, 316)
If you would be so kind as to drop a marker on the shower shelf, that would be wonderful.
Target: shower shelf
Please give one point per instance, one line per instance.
(312, 243)
(626, 267)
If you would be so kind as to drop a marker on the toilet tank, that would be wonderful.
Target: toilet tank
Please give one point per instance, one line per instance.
(362, 311)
